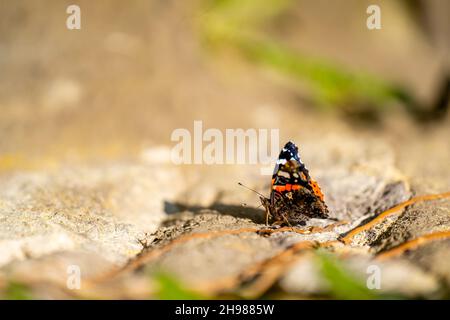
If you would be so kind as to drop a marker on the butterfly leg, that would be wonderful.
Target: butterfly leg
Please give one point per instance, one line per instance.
(286, 220)
(266, 205)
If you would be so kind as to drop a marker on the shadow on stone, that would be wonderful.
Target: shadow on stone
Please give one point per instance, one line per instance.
(238, 211)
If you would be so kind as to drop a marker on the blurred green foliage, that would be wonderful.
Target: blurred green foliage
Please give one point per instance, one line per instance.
(17, 291)
(170, 288)
(239, 24)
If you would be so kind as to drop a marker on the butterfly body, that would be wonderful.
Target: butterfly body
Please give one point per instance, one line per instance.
(295, 197)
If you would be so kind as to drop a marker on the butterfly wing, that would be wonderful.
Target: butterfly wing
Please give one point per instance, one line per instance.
(294, 195)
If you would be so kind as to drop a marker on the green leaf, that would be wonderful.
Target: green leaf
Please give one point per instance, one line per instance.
(17, 291)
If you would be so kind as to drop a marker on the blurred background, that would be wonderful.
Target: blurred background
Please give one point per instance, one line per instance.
(138, 70)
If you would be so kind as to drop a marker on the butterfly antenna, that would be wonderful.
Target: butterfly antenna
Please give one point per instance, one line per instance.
(251, 189)
(246, 205)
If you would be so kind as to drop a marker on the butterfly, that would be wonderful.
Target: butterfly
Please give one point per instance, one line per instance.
(294, 196)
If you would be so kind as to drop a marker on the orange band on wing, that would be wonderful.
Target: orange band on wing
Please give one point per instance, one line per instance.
(316, 189)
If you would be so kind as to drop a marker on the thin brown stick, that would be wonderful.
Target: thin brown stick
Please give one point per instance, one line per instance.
(275, 267)
(413, 244)
(146, 257)
(272, 269)
(265, 268)
(269, 271)
(394, 210)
